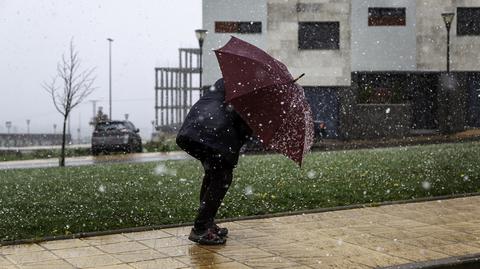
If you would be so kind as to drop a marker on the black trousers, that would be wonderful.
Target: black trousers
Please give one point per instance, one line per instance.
(216, 181)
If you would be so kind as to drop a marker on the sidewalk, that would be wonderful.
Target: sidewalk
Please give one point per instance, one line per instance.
(419, 139)
(357, 238)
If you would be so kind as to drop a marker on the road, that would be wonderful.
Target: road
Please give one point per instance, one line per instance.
(103, 159)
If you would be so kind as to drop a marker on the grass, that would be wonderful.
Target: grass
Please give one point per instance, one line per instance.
(55, 201)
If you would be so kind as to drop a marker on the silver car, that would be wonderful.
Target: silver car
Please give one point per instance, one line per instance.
(112, 136)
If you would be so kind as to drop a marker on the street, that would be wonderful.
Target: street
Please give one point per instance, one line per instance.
(90, 160)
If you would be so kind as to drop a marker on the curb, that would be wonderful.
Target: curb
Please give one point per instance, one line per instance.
(282, 214)
(471, 261)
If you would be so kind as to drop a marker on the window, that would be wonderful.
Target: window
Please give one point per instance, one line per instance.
(468, 21)
(383, 16)
(241, 27)
(318, 35)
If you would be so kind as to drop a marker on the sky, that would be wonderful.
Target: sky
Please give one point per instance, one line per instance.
(35, 33)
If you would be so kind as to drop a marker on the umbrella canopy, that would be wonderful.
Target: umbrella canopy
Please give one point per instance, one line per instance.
(264, 93)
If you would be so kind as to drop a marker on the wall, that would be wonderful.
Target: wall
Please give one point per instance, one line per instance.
(432, 38)
(229, 10)
(27, 140)
(322, 67)
(380, 120)
(383, 48)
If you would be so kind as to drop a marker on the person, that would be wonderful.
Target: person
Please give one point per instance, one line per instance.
(213, 133)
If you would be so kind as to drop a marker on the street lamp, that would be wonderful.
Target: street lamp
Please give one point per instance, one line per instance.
(448, 18)
(8, 124)
(153, 126)
(201, 34)
(28, 126)
(110, 74)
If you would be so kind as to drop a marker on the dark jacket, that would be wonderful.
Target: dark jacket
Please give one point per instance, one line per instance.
(212, 127)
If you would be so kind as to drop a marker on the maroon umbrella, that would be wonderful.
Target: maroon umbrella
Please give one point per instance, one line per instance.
(265, 94)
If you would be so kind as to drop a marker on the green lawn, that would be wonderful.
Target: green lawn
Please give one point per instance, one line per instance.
(55, 201)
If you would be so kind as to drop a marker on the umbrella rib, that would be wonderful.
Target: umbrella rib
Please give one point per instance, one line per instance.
(257, 61)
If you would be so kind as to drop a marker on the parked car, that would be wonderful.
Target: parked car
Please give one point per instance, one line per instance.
(112, 136)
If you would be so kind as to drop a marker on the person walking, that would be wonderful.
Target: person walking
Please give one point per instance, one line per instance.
(213, 133)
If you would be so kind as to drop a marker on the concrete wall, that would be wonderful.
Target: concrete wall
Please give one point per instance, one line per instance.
(27, 140)
(383, 48)
(229, 10)
(380, 120)
(432, 38)
(322, 67)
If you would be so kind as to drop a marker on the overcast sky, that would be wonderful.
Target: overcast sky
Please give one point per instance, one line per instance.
(35, 33)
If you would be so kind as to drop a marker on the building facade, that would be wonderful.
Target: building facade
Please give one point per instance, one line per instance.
(373, 68)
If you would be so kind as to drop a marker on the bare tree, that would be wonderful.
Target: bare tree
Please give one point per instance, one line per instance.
(74, 86)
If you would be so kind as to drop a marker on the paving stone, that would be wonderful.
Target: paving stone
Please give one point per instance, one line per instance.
(228, 265)
(63, 244)
(458, 249)
(77, 252)
(418, 254)
(167, 263)
(165, 242)
(4, 262)
(52, 264)
(19, 249)
(93, 261)
(37, 256)
(375, 259)
(147, 235)
(192, 249)
(139, 255)
(106, 239)
(116, 266)
(271, 262)
(334, 263)
(203, 259)
(426, 242)
(121, 247)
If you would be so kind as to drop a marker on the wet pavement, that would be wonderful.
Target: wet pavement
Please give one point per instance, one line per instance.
(369, 237)
(102, 159)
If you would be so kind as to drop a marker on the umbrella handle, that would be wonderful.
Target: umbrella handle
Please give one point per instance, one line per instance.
(295, 80)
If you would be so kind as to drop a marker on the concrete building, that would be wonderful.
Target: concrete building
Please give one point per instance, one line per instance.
(247, 18)
(373, 67)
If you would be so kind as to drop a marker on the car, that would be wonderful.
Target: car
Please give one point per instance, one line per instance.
(110, 136)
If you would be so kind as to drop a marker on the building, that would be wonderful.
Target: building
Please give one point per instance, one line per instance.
(374, 68)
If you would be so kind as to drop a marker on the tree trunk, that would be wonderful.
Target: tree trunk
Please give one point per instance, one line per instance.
(64, 138)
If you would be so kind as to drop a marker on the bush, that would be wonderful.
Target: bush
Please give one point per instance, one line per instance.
(165, 143)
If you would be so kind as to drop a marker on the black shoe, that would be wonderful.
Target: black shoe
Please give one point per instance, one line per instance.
(222, 232)
(207, 237)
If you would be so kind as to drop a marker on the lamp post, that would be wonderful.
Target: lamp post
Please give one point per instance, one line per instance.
(110, 75)
(201, 34)
(448, 18)
(8, 124)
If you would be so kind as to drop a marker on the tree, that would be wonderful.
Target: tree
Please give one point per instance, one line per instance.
(74, 86)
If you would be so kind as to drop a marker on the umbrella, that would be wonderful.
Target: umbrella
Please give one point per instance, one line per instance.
(264, 93)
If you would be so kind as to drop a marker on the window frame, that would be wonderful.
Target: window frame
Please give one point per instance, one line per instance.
(381, 19)
(238, 27)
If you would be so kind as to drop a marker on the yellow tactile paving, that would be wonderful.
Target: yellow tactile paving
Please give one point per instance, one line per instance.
(357, 238)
